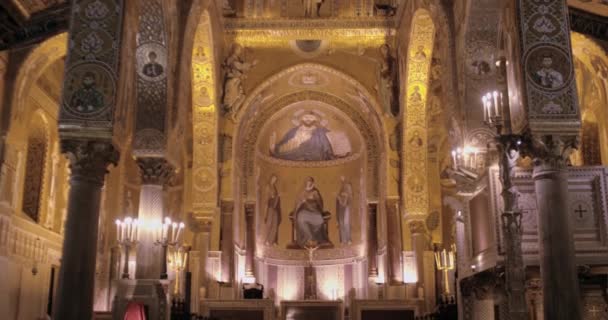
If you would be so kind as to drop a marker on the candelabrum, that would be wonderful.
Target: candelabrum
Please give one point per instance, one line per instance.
(166, 234)
(179, 260)
(127, 235)
(445, 262)
(497, 117)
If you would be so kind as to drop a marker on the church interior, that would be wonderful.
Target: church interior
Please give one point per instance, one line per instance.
(304, 159)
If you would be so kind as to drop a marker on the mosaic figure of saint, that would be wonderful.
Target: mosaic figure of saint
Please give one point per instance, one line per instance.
(87, 99)
(273, 212)
(344, 202)
(309, 141)
(153, 69)
(308, 212)
(309, 7)
(547, 76)
(416, 97)
(420, 55)
(388, 89)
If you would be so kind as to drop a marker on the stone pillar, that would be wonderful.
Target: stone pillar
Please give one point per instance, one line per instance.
(88, 163)
(155, 172)
(372, 240)
(250, 238)
(561, 295)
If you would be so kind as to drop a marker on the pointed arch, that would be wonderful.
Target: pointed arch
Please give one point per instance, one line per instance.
(34, 66)
(35, 165)
(415, 136)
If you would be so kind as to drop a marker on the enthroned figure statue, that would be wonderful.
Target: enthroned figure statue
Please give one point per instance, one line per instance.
(310, 221)
(273, 212)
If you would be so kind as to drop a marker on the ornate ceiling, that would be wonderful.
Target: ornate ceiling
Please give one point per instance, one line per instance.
(598, 7)
(27, 8)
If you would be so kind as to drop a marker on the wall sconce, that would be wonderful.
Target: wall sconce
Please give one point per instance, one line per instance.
(445, 263)
(467, 160)
(179, 260)
(473, 268)
(166, 234)
(127, 235)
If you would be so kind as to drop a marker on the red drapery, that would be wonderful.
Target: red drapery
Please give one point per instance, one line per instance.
(135, 311)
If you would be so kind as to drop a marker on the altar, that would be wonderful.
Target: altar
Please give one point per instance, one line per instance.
(244, 309)
(385, 309)
(312, 309)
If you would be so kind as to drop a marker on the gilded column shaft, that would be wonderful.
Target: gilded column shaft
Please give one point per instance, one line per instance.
(88, 163)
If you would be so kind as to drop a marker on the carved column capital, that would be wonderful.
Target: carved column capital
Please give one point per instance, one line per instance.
(89, 159)
(417, 227)
(552, 150)
(199, 224)
(155, 170)
(483, 285)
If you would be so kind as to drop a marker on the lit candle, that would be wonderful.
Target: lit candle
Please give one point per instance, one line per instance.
(496, 102)
(128, 221)
(181, 226)
(485, 108)
(454, 160)
(123, 231)
(135, 229)
(117, 229)
(173, 233)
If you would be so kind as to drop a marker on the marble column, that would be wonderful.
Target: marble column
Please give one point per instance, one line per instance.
(88, 162)
(155, 172)
(420, 241)
(250, 237)
(201, 227)
(561, 295)
(203, 244)
(227, 242)
(372, 238)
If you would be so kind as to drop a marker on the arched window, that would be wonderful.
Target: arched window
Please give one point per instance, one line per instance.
(37, 146)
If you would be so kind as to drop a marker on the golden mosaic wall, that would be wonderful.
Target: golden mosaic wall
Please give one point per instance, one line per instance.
(414, 143)
(204, 121)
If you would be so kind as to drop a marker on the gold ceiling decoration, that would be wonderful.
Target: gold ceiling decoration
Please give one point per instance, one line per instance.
(29, 7)
(598, 7)
(414, 146)
(278, 33)
(204, 121)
